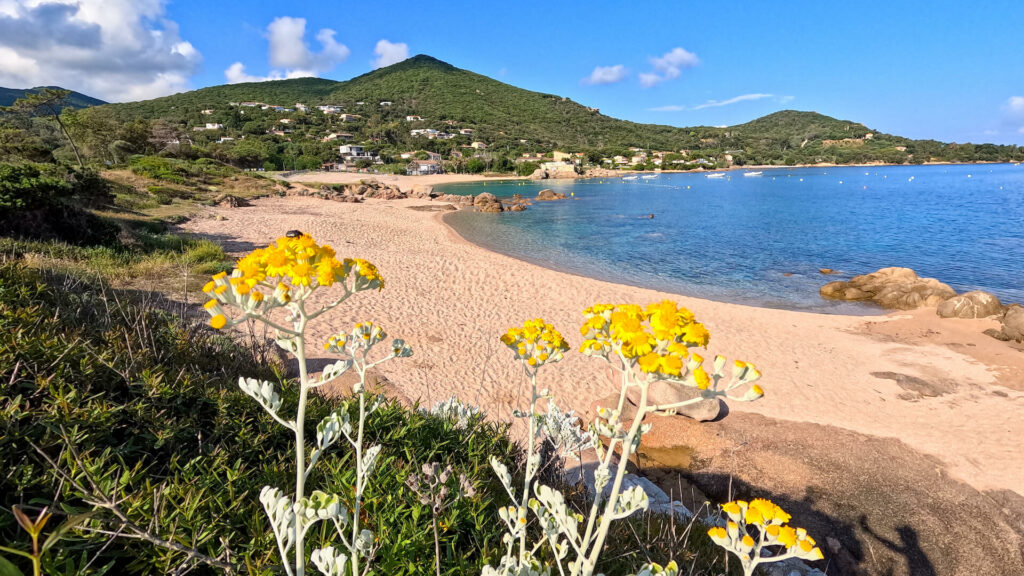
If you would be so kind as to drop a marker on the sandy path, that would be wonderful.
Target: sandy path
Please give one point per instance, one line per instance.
(451, 300)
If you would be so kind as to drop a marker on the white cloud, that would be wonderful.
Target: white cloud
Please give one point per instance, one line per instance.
(669, 66)
(389, 53)
(1013, 114)
(733, 100)
(716, 103)
(112, 49)
(290, 55)
(606, 75)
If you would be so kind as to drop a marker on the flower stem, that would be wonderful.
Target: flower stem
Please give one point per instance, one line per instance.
(300, 446)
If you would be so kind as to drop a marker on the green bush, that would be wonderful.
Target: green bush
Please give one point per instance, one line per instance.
(527, 168)
(150, 404)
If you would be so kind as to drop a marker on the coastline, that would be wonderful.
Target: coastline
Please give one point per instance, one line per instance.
(450, 299)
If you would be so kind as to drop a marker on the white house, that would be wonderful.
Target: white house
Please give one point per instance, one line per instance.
(478, 145)
(329, 109)
(225, 139)
(208, 111)
(466, 131)
(350, 117)
(213, 126)
(351, 152)
(301, 107)
(285, 120)
(385, 103)
(413, 119)
(418, 167)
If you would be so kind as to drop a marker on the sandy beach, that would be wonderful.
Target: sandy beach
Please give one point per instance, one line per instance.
(451, 300)
(405, 183)
(871, 425)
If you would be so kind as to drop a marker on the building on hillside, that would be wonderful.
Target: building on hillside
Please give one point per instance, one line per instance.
(412, 118)
(329, 109)
(213, 126)
(621, 160)
(285, 120)
(385, 103)
(224, 139)
(350, 117)
(559, 166)
(478, 145)
(301, 107)
(208, 111)
(351, 153)
(251, 104)
(427, 132)
(466, 131)
(336, 136)
(422, 167)
(333, 167)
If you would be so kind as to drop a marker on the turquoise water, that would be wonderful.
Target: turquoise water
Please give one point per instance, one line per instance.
(736, 239)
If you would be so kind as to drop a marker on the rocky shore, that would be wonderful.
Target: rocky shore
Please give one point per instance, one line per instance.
(903, 289)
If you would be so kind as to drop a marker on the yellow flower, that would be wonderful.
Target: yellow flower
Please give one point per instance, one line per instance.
(649, 362)
(701, 378)
(218, 321)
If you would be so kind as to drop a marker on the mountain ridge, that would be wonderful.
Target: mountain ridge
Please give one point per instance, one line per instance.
(75, 100)
(512, 117)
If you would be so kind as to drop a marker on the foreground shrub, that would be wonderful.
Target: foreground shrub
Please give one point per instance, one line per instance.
(147, 407)
(47, 201)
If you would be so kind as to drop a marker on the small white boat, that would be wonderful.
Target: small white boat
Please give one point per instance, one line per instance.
(649, 176)
(753, 173)
(630, 178)
(716, 175)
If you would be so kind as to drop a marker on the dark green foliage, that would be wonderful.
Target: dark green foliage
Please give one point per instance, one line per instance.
(526, 168)
(49, 201)
(149, 402)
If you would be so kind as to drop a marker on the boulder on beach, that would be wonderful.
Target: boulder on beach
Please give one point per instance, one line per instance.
(892, 288)
(517, 208)
(1013, 323)
(975, 304)
(484, 198)
(230, 201)
(548, 195)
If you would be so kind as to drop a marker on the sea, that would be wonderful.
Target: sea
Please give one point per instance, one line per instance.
(763, 240)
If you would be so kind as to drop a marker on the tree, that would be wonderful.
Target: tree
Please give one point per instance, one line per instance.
(48, 102)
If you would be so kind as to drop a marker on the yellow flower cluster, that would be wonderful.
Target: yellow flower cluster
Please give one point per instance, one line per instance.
(535, 342)
(364, 335)
(657, 338)
(770, 521)
(287, 265)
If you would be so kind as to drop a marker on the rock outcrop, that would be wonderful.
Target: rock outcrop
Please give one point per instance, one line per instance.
(976, 304)
(892, 288)
(487, 202)
(549, 195)
(230, 201)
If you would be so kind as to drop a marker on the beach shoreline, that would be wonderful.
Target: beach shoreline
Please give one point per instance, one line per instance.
(451, 299)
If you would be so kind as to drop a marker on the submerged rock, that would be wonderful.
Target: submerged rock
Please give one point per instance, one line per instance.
(548, 195)
(975, 304)
(893, 288)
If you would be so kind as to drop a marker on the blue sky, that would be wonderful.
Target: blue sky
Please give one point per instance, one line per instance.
(946, 70)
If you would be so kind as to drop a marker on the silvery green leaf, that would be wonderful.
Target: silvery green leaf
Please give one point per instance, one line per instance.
(287, 344)
(281, 511)
(502, 472)
(630, 500)
(332, 371)
(329, 561)
(264, 394)
(457, 411)
(364, 543)
(370, 458)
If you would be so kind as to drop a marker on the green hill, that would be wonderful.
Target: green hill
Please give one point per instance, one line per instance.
(75, 99)
(513, 120)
